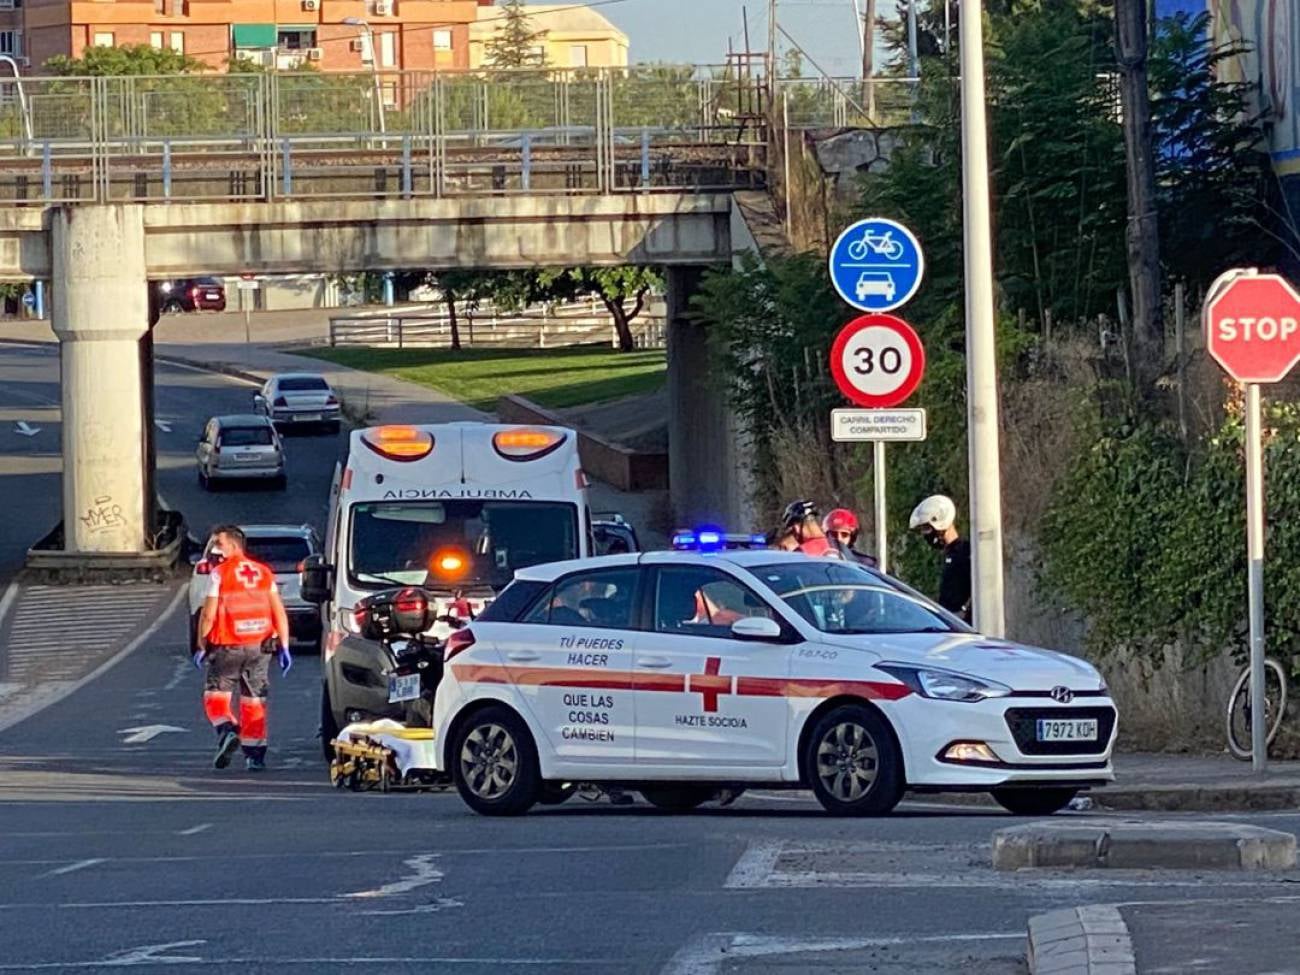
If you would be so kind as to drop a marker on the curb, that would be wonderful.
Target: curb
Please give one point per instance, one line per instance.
(1228, 798)
(1088, 940)
(218, 367)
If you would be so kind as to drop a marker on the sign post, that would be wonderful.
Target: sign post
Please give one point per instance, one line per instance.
(1252, 329)
(877, 361)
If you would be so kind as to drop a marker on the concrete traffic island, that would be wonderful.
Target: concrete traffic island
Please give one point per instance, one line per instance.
(1132, 845)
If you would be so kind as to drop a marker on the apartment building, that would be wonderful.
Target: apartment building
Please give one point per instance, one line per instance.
(333, 35)
(569, 35)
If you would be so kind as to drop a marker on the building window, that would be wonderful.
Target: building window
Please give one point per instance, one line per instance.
(442, 40)
(387, 50)
(296, 39)
(10, 4)
(178, 41)
(11, 43)
(577, 55)
(103, 39)
(156, 39)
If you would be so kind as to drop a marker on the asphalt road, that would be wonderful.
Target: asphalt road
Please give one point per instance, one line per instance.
(135, 853)
(30, 466)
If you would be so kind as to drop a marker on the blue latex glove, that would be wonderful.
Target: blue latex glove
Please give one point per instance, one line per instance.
(200, 655)
(284, 658)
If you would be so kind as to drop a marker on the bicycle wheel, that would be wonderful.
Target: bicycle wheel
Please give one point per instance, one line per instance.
(1239, 708)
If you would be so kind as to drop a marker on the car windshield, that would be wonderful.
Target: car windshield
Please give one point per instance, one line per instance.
(843, 598)
(246, 436)
(457, 542)
(302, 384)
(281, 552)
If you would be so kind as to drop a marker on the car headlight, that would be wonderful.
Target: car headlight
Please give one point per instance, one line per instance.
(944, 685)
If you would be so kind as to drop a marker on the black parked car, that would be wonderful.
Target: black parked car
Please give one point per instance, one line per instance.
(192, 294)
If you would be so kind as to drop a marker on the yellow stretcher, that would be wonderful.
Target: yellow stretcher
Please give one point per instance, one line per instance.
(387, 756)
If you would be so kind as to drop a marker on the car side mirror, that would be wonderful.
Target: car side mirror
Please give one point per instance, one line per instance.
(316, 579)
(757, 629)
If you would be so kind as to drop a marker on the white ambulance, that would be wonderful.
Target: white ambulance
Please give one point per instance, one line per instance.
(455, 508)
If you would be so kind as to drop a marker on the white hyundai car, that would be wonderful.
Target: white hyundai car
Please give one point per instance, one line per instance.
(688, 676)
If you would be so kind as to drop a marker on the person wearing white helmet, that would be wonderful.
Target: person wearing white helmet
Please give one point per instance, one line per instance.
(936, 519)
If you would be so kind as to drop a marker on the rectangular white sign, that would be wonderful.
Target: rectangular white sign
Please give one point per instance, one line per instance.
(247, 285)
(861, 426)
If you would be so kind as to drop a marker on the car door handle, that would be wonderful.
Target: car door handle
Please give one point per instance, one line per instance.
(524, 656)
(653, 662)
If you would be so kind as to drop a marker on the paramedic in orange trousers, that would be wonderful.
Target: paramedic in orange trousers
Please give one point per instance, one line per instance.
(241, 616)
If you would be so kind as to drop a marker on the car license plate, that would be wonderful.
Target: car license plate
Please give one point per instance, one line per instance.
(403, 687)
(212, 296)
(1067, 729)
(306, 417)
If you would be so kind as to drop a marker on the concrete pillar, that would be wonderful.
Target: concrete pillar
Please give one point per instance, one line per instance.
(100, 311)
(708, 470)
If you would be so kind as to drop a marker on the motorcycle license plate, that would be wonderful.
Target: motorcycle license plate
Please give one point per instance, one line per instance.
(1073, 729)
(403, 687)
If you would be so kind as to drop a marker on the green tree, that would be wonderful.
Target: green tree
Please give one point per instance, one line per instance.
(514, 43)
(129, 59)
(622, 290)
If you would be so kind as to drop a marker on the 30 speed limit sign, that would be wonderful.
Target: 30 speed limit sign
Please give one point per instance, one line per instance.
(877, 361)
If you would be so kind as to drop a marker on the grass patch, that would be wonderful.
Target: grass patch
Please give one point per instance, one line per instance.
(557, 378)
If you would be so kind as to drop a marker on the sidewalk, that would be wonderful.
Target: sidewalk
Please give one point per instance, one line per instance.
(1198, 783)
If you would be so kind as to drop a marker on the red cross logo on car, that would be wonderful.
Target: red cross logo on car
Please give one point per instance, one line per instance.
(248, 574)
(710, 684)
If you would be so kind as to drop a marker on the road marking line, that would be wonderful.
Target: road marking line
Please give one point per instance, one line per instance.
(267, 963)
(148, 954)
(11, 593)
(36, 706)
(195, 830)
(756, 866)
(74, 867)
(423, 873)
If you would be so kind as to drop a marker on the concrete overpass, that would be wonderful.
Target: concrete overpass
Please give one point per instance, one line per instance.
(99, 258)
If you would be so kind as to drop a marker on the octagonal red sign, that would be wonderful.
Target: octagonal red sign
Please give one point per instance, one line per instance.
(1252, 325)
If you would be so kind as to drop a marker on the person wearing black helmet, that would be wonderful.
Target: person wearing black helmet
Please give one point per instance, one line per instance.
(804, 521)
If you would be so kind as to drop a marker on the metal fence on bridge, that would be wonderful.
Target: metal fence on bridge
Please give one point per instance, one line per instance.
(378, 134)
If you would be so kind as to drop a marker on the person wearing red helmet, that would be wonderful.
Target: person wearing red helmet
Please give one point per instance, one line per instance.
(842, 528)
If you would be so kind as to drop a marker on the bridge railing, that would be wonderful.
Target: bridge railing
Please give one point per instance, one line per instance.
(384, 133)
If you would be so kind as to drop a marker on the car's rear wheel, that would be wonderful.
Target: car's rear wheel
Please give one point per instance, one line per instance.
(1033, 802)
(329, 728)
(678, 798)
(495, 763)
(852, 762)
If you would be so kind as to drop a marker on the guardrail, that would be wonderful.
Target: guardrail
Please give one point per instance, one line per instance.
(377, 134)
(576, 324)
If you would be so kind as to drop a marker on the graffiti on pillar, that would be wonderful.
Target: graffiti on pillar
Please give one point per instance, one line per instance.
(104, 515)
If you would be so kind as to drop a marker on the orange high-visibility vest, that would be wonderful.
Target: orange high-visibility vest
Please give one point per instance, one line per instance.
(244, 616)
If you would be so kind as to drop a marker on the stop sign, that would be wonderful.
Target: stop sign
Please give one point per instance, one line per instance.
(1252, 325)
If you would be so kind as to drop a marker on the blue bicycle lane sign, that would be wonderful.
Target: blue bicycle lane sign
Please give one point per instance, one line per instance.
(876, 264)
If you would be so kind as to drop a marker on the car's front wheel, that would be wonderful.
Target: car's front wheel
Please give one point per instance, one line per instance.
(495, 763)
(852, 762)
(1033, 802)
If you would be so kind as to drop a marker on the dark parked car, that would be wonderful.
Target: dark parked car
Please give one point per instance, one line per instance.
(193, 294)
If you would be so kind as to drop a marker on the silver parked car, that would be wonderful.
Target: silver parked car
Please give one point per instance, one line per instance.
(298, 399)
(284, 548)
(240, 448)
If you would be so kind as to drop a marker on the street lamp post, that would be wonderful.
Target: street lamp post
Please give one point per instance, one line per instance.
(981, 339)
(374, 66)
(22, 98)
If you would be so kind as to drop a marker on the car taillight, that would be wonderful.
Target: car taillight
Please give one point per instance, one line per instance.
(301, 566)
(459, 641)
(203, 568)
(280, 401)
(411, 601)
(526, 443)
(194, 293)
(331, 400)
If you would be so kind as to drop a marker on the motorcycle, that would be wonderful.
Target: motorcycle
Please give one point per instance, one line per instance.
(389, 754)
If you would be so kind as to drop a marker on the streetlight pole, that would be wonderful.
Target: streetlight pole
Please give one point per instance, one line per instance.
(374, 65)
(981, 337)
(22, 96)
